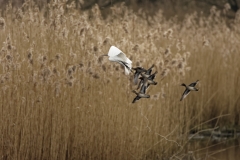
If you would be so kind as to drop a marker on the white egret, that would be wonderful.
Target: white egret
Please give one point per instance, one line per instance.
(116, 55)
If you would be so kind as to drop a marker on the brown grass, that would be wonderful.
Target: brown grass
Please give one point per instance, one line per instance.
(60, 101)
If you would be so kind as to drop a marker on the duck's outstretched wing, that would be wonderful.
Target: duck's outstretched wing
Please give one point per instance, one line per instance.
(185, 93)
(149, 71)
(143, 88)
(135, 79)
(193, 84)
(136, 99)
(152, 76)
(138, 71)
(140, 83)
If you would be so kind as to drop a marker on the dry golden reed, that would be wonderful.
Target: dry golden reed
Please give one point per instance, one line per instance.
(59, 100)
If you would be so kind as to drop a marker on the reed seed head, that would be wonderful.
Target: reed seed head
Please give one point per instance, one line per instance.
(2, 24)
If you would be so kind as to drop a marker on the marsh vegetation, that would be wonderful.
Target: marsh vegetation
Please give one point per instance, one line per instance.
(59, 100)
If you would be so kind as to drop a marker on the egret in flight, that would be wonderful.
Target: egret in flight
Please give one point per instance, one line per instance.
(116, 55)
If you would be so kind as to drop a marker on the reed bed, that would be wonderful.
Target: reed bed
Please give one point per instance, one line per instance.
(59, 100)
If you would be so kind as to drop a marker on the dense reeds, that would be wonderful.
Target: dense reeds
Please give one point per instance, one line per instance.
(59, 100)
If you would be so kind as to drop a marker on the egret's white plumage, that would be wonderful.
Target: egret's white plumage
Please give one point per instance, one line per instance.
(113, 51)
(116, 55)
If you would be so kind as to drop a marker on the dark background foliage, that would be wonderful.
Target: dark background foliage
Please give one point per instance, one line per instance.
(169, 7)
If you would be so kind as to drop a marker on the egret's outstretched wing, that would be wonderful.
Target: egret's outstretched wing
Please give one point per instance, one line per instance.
(114, 51)
(124, 58)
(127, 71)
(127, 67)
(128, 61)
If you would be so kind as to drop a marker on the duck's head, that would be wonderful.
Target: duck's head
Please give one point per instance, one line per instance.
(134, 91)
(183, 84)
